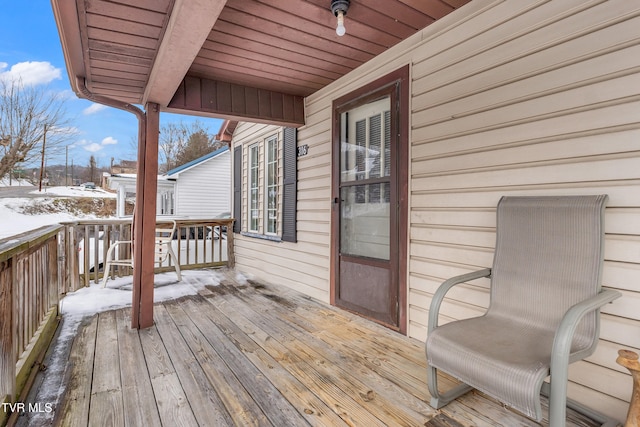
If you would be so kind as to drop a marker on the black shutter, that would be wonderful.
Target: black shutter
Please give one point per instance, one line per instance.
(237, 189)
(290, 180)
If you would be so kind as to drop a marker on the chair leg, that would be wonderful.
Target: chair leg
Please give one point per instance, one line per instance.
(176, 263)
(557, 403)
(438, 400)
(107, 265)
(596, 416)
(105, 273)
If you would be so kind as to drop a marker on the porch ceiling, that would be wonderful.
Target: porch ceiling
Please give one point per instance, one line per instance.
(236, 59)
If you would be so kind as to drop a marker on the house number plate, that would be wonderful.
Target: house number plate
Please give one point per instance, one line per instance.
(303, 150)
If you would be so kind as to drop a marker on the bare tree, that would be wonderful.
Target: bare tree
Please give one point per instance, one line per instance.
(172, 138)
(180, 143)
(26, 114)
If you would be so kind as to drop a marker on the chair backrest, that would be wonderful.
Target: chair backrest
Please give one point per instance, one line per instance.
(164, 237)
(548, 257)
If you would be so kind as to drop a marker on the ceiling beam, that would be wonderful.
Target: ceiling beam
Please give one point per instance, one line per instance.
(189, 26)
(200, 96)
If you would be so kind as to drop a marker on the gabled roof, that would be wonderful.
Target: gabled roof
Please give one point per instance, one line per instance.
(196, 162)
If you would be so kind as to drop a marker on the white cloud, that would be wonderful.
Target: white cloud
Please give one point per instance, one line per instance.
(93, 108)
(30, 73)
(93, 147)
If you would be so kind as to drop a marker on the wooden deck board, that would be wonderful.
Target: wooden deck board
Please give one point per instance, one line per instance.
(258, 355)
(279, 411)
(344, 392)
(205, 402)
(173, 405)
(308, 404)
(106, 407)
(137, 392)
(75, 410)
(351, 377)
(243, 409)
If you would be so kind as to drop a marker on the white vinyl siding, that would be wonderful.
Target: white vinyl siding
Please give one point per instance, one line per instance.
(507, 98)
(195, 200)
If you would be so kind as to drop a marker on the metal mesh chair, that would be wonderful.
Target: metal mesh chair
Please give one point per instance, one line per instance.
(543, 312)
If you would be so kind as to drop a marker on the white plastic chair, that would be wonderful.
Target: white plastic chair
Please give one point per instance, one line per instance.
(163, 250)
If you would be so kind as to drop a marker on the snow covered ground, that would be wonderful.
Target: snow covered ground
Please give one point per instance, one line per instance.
(14, 182)
(13, 221)
(76, 192)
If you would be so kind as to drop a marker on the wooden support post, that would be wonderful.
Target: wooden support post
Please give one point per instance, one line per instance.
(145, 219)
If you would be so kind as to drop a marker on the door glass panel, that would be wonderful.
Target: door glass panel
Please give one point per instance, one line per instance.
(365, 138)
(365, 156)
(364, 223)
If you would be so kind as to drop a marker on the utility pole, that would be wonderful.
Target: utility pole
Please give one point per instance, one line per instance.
(44, 140)
(66, 166)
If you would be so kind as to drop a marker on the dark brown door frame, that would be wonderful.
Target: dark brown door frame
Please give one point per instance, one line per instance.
(398, 79)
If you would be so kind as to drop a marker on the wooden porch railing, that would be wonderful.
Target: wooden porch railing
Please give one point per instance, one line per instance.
(30, 283)
(197, 243)
(38, 267)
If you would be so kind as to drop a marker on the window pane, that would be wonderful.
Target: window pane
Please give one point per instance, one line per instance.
(254, 212)
(271, 187)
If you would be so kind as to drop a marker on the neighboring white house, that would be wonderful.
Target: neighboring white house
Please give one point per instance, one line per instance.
(203, 186)
(198, 189)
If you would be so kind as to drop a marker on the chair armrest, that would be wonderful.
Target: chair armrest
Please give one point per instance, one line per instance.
(114, 245)
(564, 337)
(569, 323)
(438, 297)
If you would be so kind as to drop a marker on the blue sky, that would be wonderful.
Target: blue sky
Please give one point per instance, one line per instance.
(30, 48)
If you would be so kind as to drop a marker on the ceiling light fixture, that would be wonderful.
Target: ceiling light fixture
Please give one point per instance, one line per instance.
(339, 9)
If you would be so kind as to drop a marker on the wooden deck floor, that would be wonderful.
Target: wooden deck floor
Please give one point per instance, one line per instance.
(260, 355)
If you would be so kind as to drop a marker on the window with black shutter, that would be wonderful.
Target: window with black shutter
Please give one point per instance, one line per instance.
(269, 210)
